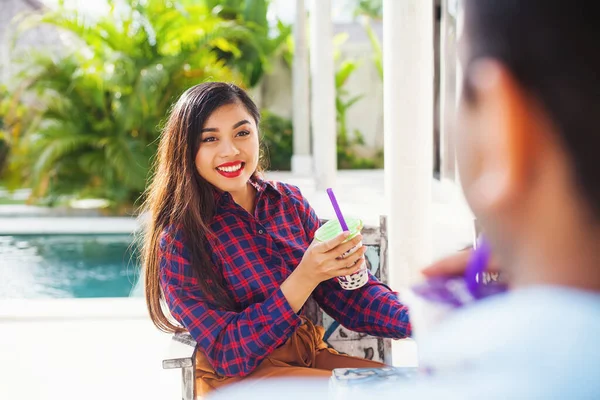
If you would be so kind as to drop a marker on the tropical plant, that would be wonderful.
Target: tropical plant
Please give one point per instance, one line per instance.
(252, 58)
(369, 8)
(14, 118)
(101, 104)
(377, 56)
(277, 140)
(346, 140)
(4, 134)
(342, 105)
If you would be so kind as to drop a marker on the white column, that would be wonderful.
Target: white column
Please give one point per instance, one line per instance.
(301, 160)
(322, 94)
(408, 134)
(459, 12)
(448, 88)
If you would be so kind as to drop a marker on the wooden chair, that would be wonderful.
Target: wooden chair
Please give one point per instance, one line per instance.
(182, 348)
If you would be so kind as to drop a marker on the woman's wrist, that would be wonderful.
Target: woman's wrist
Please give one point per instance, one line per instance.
(304, 278)
(297, 288)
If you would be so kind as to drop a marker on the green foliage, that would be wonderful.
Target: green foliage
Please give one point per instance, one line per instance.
(347, 141)
(277, 141)
(377, 53)
(99, 107)
(251, 58)
(369, 8)
(14, 117)
(4, 135)
(4, 149)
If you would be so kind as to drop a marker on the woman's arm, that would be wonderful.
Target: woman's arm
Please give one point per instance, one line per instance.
(234, 342)
(373, 309)
(319, 264)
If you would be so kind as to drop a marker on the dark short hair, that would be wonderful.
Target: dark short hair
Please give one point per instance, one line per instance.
(552, 49)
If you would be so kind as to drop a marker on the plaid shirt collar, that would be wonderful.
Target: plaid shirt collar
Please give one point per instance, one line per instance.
(270, 188)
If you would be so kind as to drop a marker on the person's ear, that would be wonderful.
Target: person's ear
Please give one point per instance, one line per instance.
(505, 145)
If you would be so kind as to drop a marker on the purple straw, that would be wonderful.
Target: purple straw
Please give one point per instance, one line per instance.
(457, 291)
(337, 210)
(476, 266)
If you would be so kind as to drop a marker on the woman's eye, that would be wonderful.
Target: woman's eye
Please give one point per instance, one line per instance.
(209, 139)
(243, 133)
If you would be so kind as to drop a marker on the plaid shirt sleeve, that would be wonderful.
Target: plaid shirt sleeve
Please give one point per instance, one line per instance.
(234, 342)
(373, 309)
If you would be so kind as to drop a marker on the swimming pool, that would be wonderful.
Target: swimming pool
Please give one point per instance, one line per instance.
(59, 266)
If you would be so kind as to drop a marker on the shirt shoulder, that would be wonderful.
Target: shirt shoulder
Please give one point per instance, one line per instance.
(517, 326)
(288, 191)
(170, 235)
(173, 251)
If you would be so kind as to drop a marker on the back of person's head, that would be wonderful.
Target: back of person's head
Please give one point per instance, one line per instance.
(530, 113)
(552, 48)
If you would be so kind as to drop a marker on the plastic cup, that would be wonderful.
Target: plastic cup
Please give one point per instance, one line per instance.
(331, 229)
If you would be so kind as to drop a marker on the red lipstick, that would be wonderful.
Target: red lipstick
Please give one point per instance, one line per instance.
(231, 169)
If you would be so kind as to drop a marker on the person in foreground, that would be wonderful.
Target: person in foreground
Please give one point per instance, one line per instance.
(529, 139)
(231, 253)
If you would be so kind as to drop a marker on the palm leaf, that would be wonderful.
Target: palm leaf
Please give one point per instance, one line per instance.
(100, 105)
(344, 72)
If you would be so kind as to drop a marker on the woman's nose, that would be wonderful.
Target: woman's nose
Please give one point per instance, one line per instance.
(228, 149)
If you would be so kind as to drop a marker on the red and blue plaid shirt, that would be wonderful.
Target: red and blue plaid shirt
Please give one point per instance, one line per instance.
(256, 254)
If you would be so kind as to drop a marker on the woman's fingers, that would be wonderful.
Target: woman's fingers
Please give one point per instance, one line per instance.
(357, 266)
(349, 262)
(344, 247)
(455, 264)
(329, 245)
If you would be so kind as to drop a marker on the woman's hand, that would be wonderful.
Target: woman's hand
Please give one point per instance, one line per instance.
(455, 264)
(321, 262)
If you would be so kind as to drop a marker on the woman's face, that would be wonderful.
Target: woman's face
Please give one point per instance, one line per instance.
(229, 148)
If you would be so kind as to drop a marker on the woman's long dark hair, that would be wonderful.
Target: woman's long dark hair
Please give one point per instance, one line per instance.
(179, 198)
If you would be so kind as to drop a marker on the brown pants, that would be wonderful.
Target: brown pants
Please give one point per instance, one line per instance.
(305, 354)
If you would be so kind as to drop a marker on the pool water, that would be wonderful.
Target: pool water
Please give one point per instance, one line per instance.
(59, 266)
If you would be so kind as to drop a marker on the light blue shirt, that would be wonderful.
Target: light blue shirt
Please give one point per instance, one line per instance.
(536, 343)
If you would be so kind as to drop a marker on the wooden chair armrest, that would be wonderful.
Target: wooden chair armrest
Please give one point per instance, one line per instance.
(181, 352)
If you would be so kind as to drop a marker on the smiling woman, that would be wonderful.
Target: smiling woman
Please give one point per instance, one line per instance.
(231, 255)
(230, 151)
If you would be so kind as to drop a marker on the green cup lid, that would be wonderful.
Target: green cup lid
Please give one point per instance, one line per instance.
(332, 228)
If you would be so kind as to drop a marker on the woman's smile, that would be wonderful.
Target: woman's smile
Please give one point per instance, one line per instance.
(229, 149)
(231, 169)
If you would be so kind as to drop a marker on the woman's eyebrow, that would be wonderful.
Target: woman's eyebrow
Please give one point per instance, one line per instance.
(242, 122)
(236, 125)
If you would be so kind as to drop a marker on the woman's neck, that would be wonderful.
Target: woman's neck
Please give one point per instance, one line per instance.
(566, 257)
(246, 198)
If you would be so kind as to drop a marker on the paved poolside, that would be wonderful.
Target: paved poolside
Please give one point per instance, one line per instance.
(90, 349)
(82, 349)
(108, 348)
